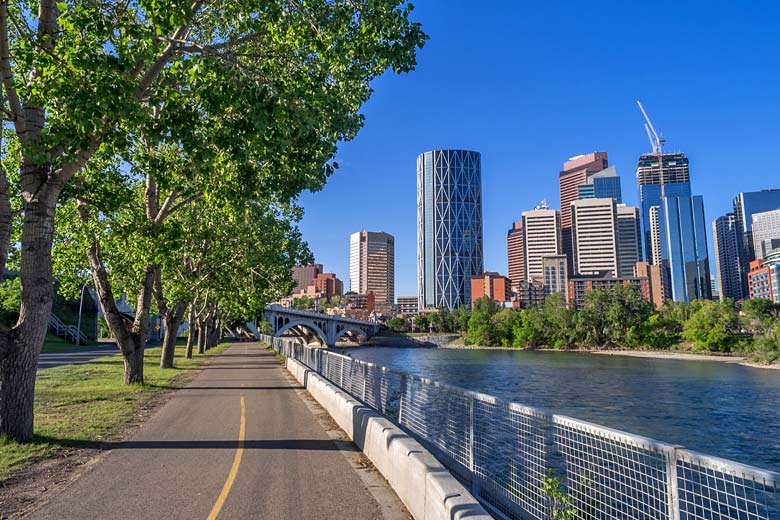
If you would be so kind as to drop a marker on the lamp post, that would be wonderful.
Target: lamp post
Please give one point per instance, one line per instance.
(81, 305)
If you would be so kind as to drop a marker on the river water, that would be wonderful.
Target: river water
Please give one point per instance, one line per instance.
(720, 409)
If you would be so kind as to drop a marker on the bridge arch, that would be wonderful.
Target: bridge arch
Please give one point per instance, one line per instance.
(343, 331)
(312, 326)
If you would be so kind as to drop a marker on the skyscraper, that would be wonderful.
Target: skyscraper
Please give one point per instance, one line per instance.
(594, 227)
(449, 226)
(602, 185)
(766, 233)
(372, 265)
(515, 254)
(724, 233)
(628, 242)
(576, 172)
(684, 241)
(745, 205)
(676, 183)
(542, 228)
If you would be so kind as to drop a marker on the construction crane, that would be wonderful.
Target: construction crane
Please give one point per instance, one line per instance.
(657, 143)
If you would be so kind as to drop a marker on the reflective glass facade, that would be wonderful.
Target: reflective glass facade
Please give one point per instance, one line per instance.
(746, 204)
(449, 226)
(685, 253)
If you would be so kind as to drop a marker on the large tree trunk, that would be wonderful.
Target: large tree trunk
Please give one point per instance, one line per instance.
(202, 333)
(133, 356)
(172, 320)
(21, 346)
(191, 338)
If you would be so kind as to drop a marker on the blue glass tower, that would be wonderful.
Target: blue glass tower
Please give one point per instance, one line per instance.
(449, 226)
(684, 243)
(602, 185)
(745, 205)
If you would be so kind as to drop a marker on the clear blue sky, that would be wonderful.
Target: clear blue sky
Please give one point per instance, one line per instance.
(532, 84)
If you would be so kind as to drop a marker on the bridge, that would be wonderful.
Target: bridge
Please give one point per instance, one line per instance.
(316, 327)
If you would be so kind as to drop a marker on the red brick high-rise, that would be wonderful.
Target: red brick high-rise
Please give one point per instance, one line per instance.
(576, 172)
(515, 254)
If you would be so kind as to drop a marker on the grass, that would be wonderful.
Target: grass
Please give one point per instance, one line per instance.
(82, 404)
(54, 343)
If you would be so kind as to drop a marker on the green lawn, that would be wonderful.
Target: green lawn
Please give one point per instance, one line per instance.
(54, 343)
(77, 404)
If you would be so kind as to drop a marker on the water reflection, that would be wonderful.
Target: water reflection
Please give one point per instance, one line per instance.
(717, 408)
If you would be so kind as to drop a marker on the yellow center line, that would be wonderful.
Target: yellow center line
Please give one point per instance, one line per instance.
(234, 469)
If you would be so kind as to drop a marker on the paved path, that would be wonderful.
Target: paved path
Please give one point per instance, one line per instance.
(188, 457)
(75, 356)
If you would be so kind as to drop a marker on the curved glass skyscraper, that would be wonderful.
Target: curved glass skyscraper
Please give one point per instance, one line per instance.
(449, 226)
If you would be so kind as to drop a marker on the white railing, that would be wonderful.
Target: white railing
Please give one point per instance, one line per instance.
(504, 450)
(63, 330)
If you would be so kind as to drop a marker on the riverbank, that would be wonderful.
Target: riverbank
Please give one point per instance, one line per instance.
(737, 359)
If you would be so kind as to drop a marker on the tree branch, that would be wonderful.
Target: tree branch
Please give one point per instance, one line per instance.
(18, 119)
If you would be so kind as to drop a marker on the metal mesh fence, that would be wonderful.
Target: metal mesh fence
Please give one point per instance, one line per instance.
(504, 452)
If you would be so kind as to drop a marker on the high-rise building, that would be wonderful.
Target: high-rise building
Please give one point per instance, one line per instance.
(515, 254)
(492, 285)
(449, 226)
(655, 279)
(556, 278)
(327, 285)
(685, 246)
(766, 233)
(602, 185)
(764, 277)
(407, 305)
(676, 183)
(655, 255)
(594, 227)
(372, 265)
(576, 172)
(304, 276)
(542, 229)
(745, 205)
(581, 284)
(629, 244)
(725, 235)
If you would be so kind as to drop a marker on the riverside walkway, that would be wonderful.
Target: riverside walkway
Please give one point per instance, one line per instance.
(240, 441)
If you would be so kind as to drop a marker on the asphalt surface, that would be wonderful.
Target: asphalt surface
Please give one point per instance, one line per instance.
(178, 463)
(75, 356)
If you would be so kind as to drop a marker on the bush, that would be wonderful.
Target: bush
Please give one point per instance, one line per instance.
(397, 324)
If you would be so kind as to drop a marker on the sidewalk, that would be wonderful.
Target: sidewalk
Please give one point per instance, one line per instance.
(238, 442)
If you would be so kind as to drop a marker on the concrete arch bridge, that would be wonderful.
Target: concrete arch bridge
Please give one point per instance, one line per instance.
(314, 327)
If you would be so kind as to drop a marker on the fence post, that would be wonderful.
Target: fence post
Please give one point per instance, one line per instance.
(472, 445)
(365, 376)
(672, 493)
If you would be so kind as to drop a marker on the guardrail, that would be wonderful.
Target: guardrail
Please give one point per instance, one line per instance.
(504, 450)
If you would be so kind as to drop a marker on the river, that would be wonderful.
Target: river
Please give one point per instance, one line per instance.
(720, 409)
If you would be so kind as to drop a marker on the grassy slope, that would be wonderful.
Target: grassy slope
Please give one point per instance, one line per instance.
(88, 403)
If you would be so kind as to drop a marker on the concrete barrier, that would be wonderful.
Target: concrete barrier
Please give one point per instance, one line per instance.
(426, 487)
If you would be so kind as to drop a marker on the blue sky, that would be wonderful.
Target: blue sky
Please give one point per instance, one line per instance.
(532, 84)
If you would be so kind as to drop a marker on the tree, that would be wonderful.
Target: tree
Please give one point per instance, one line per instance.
(303, 303)
(760, 315)
(397, 324)
(711, 325)
(504, 323)
(531, 329)
(627, 315)
(79, 78)
(560, 321)
(480, 329)
(459, 319)
(422, 323)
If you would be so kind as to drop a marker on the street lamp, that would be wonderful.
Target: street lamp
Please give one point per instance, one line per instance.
(81, 305)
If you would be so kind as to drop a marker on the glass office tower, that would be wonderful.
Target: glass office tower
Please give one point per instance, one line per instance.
(685, 252)
(677, 183)
(746, 204)
(449, 227)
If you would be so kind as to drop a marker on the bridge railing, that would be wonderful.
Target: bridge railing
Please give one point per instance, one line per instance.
(504, 451)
